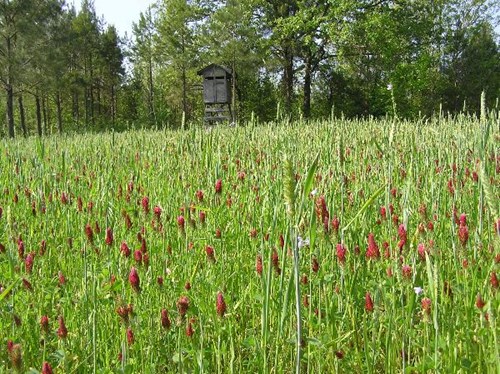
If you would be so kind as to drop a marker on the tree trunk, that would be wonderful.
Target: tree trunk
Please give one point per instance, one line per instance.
(59, 113)
(89, 99)
(87, 106)
(76, 108)
(98, 104)
(45, 117)
(38, 116)
(92, 116)
(288, 79)
(331, 91)
(86, 95)
(184, 80)
(10, 109)
(306, 107)
(233, 90)
(22, 116)
(184, 91)
(113, 104)
(10, 90)
(151, 99)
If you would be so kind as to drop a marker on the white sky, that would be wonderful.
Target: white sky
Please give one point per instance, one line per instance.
(120, 13)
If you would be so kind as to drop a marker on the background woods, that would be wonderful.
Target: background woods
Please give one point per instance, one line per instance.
(66, 70)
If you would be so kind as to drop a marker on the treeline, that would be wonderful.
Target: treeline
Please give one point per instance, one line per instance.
(58, 69)
(61, 69)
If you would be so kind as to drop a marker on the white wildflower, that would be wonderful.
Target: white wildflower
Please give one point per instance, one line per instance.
(302, 242)
(418, 290)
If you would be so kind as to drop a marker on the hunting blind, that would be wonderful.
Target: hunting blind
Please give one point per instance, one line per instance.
(216, 92)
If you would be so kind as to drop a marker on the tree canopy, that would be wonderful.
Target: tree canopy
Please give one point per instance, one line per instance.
(66, 70)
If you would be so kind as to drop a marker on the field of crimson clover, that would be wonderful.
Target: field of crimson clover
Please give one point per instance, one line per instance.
(165, 251)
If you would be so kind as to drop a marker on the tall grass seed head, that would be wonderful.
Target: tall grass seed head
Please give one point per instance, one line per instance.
(289, 188)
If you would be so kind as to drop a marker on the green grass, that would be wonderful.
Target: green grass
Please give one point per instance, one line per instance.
(362, 165)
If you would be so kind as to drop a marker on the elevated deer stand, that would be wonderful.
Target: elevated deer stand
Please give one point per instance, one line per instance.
(216, 93)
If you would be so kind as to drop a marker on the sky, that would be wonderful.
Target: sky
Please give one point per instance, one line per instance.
(120, 13)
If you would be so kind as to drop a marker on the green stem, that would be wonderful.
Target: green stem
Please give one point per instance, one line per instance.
(296, 270)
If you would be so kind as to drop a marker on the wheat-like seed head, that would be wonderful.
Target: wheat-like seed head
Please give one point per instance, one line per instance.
(289, 186)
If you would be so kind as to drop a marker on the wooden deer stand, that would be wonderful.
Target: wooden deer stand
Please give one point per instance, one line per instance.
(216, 93)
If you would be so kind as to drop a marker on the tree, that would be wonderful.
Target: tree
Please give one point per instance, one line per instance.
(50, 64)
(61, 55)
(471, 57)
(386, 42)
(231, 37)
(142, 56)
(309, 24)
(111, 69)
(282, 42)
(86, 31)
(25, 34)
(176, 47)
(58, 64)
(19, 31)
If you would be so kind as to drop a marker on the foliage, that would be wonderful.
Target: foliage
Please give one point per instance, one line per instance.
(67, 70)
(171, 251)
